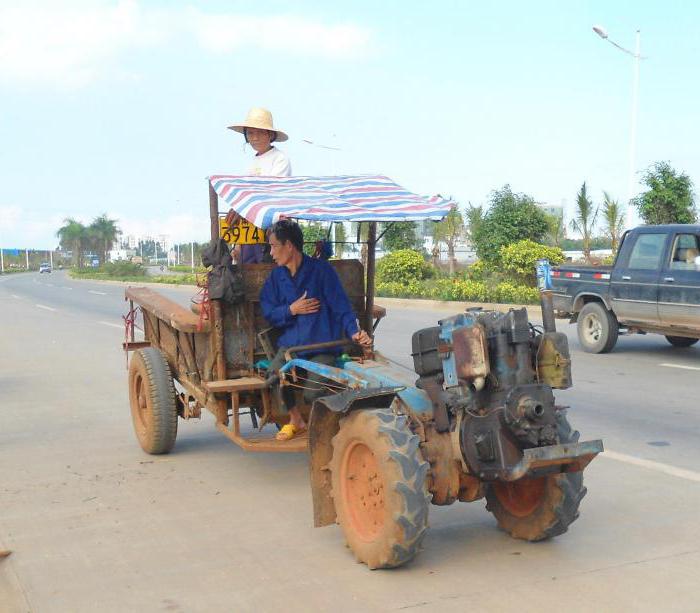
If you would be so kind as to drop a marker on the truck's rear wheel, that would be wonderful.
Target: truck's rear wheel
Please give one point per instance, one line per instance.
(681, 341)
(540, 508)
(152, 399)
(597, 328)
(378, 479)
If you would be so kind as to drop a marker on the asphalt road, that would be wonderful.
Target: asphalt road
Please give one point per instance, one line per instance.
(95, 524)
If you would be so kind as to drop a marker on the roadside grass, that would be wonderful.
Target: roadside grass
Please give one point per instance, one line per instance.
(128, 272)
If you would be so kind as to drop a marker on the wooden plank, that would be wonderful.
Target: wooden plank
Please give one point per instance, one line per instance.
(235, 385)
(165, 309)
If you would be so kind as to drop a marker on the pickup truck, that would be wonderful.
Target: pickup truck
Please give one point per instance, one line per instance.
(653, 286)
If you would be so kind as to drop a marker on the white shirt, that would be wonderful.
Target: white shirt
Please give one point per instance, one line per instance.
(272, 163)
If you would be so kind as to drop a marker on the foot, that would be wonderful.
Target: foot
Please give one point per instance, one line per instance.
(289, 431)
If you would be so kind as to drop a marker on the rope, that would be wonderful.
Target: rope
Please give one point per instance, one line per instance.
(129, 327)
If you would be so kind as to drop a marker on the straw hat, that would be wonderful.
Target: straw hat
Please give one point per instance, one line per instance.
(261, 119)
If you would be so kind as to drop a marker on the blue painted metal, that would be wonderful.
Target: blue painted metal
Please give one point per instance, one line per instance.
(447, 327)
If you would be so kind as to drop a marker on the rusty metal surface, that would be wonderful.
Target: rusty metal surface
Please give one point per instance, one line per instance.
(570, 457)
(470, 351)
(553, 361)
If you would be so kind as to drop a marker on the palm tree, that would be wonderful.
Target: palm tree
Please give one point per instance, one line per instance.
(104, 232)
(556, 229)
(72, 236)
(584, 221)
(449, 231)
(614, 218)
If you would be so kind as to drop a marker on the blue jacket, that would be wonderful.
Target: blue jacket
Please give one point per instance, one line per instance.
(317, 278)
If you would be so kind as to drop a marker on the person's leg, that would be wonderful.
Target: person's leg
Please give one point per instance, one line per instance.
(288, 401)
(315, 388)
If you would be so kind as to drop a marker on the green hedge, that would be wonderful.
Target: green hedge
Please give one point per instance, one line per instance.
(462, 290)
(403, 266)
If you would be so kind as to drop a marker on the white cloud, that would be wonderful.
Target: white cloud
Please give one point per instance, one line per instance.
(72, 42)
(28, 228)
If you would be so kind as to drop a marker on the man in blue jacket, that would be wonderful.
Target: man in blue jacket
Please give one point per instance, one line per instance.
(304, 300)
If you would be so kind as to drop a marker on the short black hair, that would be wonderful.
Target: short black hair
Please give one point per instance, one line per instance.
(287, 230)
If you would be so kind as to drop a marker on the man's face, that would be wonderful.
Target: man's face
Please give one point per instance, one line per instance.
(281, 252)
(259, 139)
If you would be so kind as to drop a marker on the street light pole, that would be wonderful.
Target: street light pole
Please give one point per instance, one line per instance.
(600, 31)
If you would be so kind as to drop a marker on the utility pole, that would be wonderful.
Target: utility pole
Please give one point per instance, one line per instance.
(51, 258)
(192, 255)
(26, 255)
(2, 262)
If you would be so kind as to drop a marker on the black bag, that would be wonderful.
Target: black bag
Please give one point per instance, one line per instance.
(225, 279)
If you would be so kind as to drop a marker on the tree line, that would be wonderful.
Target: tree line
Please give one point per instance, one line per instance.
(98, 237)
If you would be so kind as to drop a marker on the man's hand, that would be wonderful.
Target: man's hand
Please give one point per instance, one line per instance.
(362, 338)
(304, 306)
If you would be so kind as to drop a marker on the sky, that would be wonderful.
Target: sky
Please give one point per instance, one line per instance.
(121, 107)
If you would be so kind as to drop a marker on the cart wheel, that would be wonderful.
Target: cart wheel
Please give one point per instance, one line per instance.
(152, 399)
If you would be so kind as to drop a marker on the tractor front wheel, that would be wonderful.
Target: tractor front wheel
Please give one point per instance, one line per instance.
(152, 399)
(378, 479)
(540, 508)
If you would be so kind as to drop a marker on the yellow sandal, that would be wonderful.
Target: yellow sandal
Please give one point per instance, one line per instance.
(288, 432)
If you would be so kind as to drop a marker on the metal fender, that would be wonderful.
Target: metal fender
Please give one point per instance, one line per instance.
(324, 424)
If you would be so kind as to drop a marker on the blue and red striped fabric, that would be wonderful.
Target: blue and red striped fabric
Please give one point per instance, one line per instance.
(264, 200)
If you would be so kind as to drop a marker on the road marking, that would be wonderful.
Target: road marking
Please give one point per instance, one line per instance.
(109, 323)
(41, 306)
(14, 296)
(667, 469)
(50, 284)
(66, 287)
(680, 366)
(92, 291)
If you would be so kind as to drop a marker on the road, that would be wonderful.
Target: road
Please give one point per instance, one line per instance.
(95, 524)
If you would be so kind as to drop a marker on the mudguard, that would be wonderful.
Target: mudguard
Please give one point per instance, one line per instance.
(324, 424)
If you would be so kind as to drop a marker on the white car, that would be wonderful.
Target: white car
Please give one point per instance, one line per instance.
(45, 267)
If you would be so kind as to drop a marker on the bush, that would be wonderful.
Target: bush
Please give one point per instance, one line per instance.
(403, 266)
(519, 260)
(462, 290)
(477, 271)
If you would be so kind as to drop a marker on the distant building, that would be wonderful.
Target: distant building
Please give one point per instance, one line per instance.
(552, 209)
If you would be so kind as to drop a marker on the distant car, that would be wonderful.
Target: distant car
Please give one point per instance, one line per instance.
(45, 267)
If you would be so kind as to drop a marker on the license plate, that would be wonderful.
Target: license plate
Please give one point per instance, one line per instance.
(242, 233)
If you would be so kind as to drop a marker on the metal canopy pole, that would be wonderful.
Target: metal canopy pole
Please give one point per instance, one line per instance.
(214, 213)
(371, 246)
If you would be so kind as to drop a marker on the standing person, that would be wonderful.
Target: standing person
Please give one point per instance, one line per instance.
(259, 132)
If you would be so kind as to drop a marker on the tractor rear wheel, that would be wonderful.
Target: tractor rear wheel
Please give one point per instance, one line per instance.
(540, 508)
(378, 479)
(152, 399)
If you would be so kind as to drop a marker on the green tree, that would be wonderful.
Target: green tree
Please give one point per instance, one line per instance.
(669, 198)
(340, 239)
(449, 231)
(103, 231)
(556, 230)
(510, 217)
(613, 220)
(584, 220)
(73, 236)
(400, 235)
(313, 232)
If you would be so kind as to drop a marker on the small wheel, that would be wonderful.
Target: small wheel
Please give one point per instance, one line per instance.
(378, 479)
(597, 328)
(152, 399)
(540, 508)
(681, 341)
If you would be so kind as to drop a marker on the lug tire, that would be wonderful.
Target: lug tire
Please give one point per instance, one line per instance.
(681, 341)
(597, 328)
(378, 480)
(152, 400)
(538, 509)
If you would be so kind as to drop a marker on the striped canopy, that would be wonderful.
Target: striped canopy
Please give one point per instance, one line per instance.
(264, 200)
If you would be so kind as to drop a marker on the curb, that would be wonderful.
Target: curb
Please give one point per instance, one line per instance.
(455, 306)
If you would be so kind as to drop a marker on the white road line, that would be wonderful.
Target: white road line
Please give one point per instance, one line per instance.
(50, 284)
(674, 471)
(66, 287)
(14, 296)
(109, 323)
(92, 291)
(41, 306)
(680, 366)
